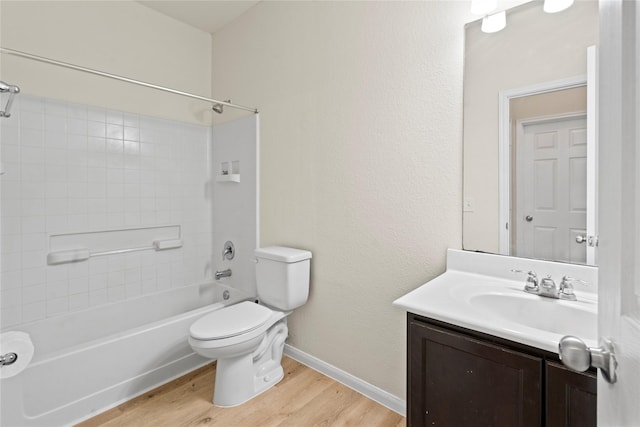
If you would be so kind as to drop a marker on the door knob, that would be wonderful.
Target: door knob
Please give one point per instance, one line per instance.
(581, 239)
(575, 355)
(528, 218)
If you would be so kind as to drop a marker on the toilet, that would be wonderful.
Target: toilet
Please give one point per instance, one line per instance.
(247, 338)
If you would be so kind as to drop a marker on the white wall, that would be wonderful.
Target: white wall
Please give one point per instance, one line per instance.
(118, 37)
(361, 129)
(535, 47)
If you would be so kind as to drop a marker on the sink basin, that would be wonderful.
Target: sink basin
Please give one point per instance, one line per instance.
(547, 314)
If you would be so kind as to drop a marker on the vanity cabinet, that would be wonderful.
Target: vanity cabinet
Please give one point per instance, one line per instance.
(459, 377)
(571, 397)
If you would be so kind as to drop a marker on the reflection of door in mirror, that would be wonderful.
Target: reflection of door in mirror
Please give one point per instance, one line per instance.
(548, 169)
(549, 182)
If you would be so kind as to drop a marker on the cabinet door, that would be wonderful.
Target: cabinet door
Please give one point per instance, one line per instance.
(571, 397)
(456, 380)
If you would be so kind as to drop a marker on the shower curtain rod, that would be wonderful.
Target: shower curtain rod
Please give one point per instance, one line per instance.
(216, 103)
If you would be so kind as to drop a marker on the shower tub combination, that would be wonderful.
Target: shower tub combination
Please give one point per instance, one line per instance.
(88, 361)
(107, 355)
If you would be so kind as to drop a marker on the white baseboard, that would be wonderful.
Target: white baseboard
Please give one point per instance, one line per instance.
(372, 392)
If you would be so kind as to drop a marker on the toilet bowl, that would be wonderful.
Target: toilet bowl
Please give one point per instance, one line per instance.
(247, 338)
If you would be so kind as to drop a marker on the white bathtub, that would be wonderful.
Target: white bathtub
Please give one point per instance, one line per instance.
(88, 361)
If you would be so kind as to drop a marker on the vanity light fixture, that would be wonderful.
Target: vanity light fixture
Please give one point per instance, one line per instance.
(483, 7)
(494, 23)
(553, 6)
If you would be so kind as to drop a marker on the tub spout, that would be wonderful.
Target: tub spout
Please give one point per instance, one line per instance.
(224, 273)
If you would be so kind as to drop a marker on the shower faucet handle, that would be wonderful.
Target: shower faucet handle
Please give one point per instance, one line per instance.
(229, 251)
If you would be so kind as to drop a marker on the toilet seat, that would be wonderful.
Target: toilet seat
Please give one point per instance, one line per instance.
(230, 321)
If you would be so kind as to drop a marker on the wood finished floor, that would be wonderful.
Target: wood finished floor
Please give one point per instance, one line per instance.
(303, 398)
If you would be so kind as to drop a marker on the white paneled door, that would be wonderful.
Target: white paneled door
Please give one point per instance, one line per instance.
(619, 208)
(551, 188)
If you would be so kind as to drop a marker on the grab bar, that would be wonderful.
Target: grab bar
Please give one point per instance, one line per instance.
(83, 254)
(13, 90)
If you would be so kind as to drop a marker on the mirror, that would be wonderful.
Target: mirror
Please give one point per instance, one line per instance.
(524, 87)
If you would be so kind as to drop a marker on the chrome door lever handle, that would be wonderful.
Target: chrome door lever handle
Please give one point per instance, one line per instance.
(575, 355)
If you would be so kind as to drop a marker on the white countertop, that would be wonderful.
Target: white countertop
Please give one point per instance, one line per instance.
(499, 306)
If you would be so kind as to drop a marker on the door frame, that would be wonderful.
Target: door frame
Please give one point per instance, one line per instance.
(504, 151)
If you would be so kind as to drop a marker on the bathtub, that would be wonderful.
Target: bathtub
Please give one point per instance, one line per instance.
(89, 361)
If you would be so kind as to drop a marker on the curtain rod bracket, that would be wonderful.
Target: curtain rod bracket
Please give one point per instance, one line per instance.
(219, 107)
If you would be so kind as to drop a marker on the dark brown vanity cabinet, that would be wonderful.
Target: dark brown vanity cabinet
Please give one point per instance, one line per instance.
(457, 377)
(571, 397)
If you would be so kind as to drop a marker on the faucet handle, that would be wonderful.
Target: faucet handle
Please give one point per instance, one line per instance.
(530, 273)
(229, 251)
(568, 280)
(566, 288)
(532, 280)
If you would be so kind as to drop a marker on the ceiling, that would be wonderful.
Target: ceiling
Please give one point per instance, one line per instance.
(207, 15)
(211, 15)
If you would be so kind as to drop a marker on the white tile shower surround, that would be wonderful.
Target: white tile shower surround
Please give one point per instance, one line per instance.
(72, 168)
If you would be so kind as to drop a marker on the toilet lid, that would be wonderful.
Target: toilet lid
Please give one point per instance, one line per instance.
(230, 321)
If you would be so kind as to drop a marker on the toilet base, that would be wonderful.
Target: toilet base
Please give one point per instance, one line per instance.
(241, 378)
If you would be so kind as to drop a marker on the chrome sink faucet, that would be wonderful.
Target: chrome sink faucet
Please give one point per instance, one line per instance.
(548, 288)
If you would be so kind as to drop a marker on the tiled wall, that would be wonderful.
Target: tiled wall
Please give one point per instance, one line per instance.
(235, 204)
(72, 168)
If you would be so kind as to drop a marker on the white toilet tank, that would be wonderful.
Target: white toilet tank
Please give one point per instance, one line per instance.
(282, 276)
